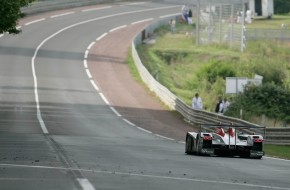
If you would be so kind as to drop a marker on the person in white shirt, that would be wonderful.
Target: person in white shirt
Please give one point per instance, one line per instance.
(219, 106)
(196, 102)
(226, 104)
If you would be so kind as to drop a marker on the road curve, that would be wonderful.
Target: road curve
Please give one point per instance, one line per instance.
(63, 127)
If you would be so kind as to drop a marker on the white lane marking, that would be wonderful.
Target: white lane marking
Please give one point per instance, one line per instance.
(89, 73)
(139, 3)
(91, 45)
(202, 181)
(117, 28)
(130, 123)
(95, 9)
(149, 176)
(167, 138)
(94, 85)
(276, 158)
(85, 184)
(85, 64)
(144, 130)
(164, 16)
(115, 111)
(64, 14)
(181, 142)
(145, 20)
(38, 113)
(35, 21)
(86, 54)
(39, 117)
(1, 35)
(18, 27)
(40, 167)
(102, 36)
(104, 98)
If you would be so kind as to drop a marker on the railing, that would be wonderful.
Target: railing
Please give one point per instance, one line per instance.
(175, 103)
(280, 35)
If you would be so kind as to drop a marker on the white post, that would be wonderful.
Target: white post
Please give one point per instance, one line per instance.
(197, 22)
(243, 28)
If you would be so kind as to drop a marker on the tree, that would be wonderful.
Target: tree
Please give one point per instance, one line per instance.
(281, 6)
(10, 13)
(268, 99)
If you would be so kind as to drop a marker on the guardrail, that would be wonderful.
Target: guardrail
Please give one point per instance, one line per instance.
(175, 103)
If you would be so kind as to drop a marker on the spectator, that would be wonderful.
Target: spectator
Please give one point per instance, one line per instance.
(172, 25)
(184, 13)
(239, 17)
(249, 17)
(189, 17)
(219, 106)
(226, 105)
(196, 102)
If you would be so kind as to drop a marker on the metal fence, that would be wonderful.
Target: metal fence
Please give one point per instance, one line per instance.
(280, 35)
(222, 22)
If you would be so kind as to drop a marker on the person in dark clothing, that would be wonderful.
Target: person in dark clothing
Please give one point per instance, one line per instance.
(184, 13)
(219, 106)
(189, 19)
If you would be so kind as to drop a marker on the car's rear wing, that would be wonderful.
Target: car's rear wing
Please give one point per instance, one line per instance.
(238, 129)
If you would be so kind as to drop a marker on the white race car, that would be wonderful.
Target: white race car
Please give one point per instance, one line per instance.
(226, 140)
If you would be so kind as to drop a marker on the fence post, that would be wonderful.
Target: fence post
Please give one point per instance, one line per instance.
(243, 28)
(197, 22)
(232, 25)
(220, 25)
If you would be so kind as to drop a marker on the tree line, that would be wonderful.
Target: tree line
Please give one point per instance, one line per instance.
(281, 6)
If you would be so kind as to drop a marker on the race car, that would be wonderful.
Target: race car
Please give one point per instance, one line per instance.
(226, 140)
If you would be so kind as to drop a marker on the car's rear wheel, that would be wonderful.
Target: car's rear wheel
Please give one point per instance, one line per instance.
(188, 145)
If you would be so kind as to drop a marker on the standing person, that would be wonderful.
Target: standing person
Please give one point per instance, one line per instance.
(226, 104)
(249, 16)
(239, 17)
(184, 13)
(172, 25)
(189, 17)
(219, 106)
(196, 102)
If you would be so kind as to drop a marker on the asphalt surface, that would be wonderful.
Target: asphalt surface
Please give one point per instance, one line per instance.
(58, 131)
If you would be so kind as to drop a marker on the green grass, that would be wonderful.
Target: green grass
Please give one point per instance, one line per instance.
(277, 151)
(132, 66)
(274, 23)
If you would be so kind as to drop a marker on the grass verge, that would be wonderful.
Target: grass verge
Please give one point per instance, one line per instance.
(277, 151)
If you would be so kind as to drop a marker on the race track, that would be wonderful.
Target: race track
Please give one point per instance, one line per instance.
(58, 130)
